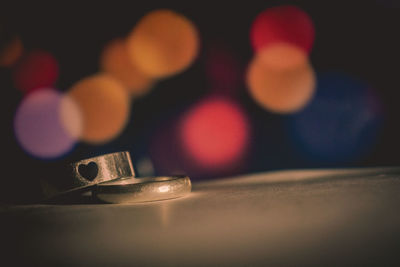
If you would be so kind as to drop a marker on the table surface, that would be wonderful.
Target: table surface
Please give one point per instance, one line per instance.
(284, 218)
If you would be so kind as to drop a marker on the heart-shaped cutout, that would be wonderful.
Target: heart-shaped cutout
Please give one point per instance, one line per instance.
(88, 171)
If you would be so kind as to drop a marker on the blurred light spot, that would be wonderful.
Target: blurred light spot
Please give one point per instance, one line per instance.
(36, 70)
(104, 104)
(287, 24)
(222, 69)
(165, 150)
(10, 54)
(341, 123)
(71, 117)
(39, 127)
(215, 133)
(282, 56)
(116, 61)
(163, 43)
(280, 79)
(145, 167)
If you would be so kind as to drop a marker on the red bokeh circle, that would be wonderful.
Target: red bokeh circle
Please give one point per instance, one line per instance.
(37, 69)
(288, 24)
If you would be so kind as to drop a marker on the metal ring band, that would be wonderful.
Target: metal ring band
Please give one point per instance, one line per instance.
(89, 172)
(136, 190)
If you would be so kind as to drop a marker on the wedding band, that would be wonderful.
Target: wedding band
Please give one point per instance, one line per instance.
(89, 172)
(143, 189)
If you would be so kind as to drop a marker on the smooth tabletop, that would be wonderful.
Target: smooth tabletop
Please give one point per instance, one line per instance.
(282, 218)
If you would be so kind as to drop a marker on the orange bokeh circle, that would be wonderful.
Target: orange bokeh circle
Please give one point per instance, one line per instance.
(11, 53)
(279, 81)
(163, 43)
(116, 61)
(104, 105)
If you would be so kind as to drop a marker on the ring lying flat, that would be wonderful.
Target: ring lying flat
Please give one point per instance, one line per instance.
(89, 172)
(143, 189)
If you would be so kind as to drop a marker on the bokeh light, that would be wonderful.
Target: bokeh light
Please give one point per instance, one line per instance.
(282, 56)
(280, 79)
(163, 43)
(341, 123)
(223, 70)
(215, 133)
(104, 104)
(287, 24)
(36, 70)
(144, 167)
(41, 127)
(71, 117)
(116, 61)
(12, 51)
(165, 149)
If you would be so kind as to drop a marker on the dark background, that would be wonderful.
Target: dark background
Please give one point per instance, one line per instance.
(359, 39)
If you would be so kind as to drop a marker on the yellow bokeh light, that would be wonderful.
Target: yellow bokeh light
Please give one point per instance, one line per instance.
(71, 116)
(116, 61)
(281, 56)
(281, 82)
(163, 43)
(11, 53)
(104, 105)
